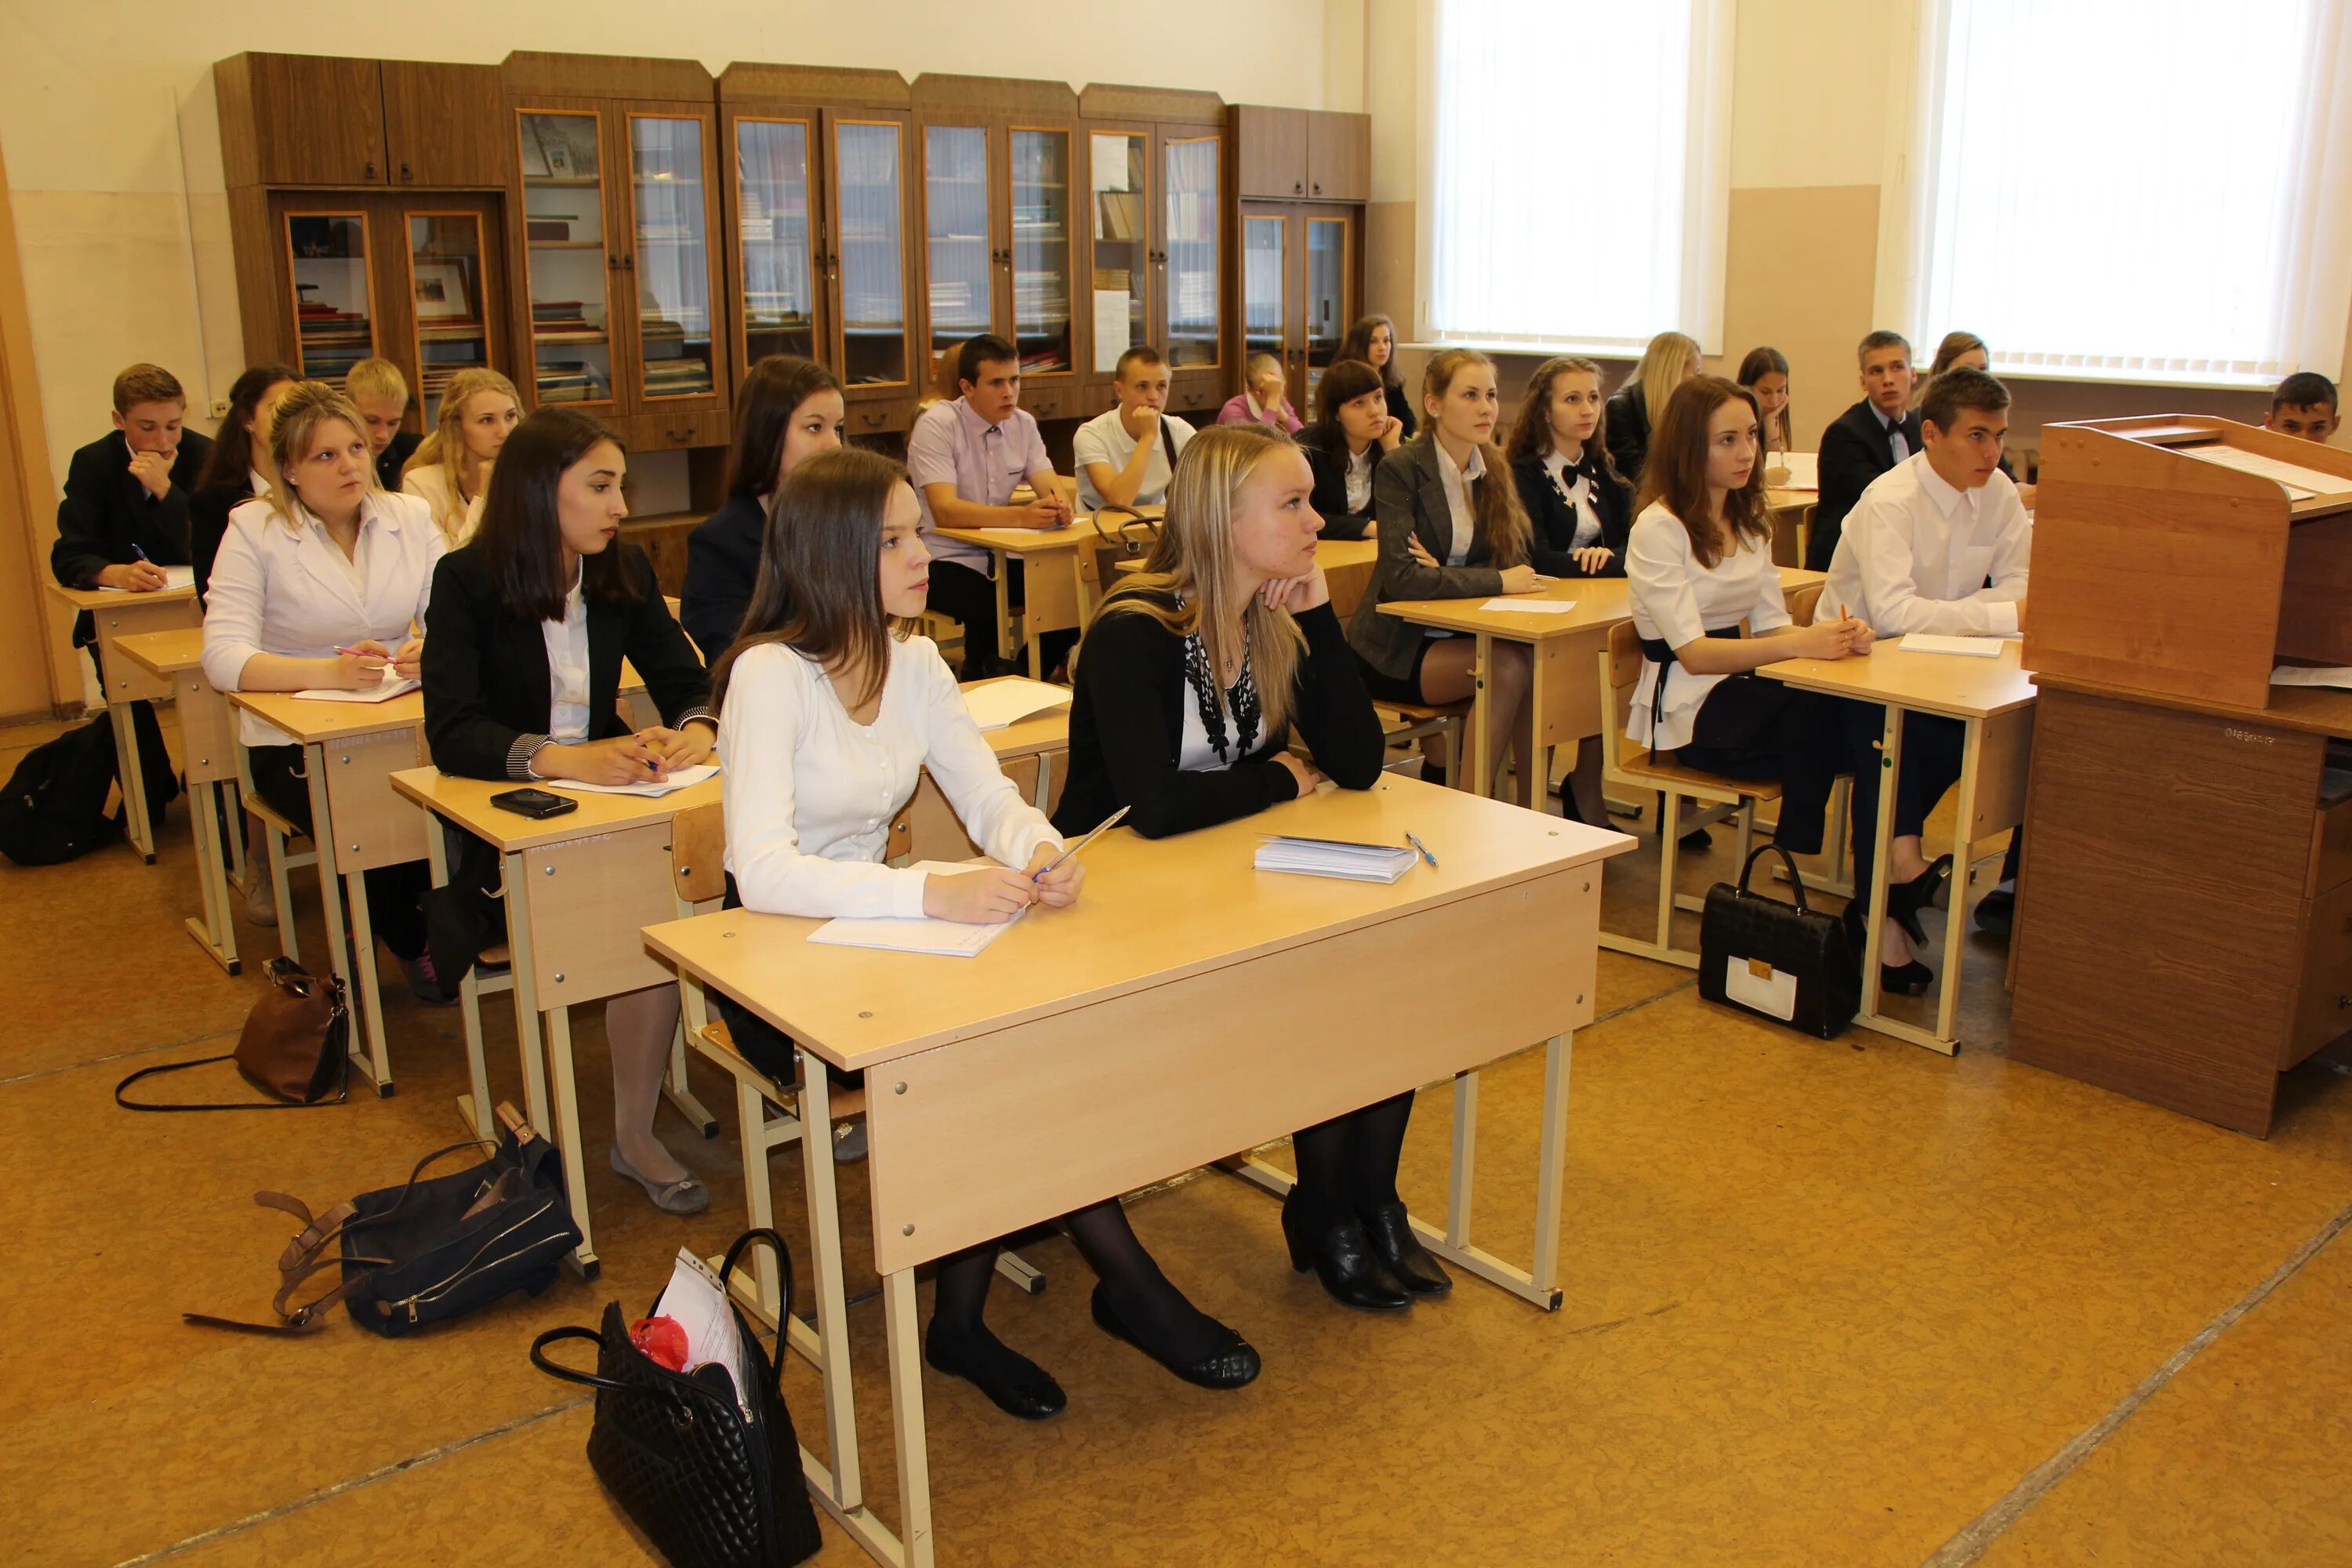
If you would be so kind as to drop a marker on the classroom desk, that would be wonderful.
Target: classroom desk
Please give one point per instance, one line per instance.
(1566, 690)
(1993, 700)
(1346, 569)
(576, 888)
(1788, 511)
(1083, 1054)
(1060, 582)
(1033, 753)
(208, 759)
(117, 616)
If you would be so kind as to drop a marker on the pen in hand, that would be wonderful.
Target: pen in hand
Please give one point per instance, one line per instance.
(1105, 825)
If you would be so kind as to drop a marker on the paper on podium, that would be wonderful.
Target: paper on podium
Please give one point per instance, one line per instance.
(1972, 648)
(2312, 675)
(697, 1302)
(919, 933)
(652, 789)
(1003, 703)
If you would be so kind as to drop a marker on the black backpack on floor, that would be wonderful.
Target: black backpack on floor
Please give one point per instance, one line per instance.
(54, 807)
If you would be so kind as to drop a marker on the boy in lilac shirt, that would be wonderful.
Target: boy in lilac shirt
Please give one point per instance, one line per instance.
(967, 458)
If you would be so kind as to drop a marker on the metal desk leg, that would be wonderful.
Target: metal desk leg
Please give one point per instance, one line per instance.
(1955, 918)
(1871, 1018)
(1890, 749)
(1482, 720)
(571, 1144)
(676, 1090)
(239, 871)
(844, 1486)
(1003, 612)
(526, 994)
(476, 1110)
(906, 1416)
(369, 999)
(1461, 1172)
(127, 769)
(217, 933)
(331, 897)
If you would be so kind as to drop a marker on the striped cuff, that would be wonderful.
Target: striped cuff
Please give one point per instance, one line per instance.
(691, 714)
(519, 755)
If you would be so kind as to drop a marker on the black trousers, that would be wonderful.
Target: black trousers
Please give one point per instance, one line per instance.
(1933, 746)
(1752, 728)
(394, 893)
(968, 597)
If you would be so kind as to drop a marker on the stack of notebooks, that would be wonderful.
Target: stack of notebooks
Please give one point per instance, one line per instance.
(332, 340)
(1335, 858)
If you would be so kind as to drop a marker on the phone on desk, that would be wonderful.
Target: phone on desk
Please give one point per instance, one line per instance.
(534, 803)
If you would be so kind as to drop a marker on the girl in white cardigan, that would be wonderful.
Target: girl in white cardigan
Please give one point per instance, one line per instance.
(828, 711)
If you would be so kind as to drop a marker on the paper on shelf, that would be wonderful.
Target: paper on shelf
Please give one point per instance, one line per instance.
(1113, 322)
(697, 1302)
(2312, 675)
(385, 691)
(1973, 647)
(919, 933)
(173, 577)
(1003, 703)
(652, 789)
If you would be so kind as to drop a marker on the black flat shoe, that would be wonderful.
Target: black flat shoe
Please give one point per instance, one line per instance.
(1905, 899)
(1996, 913)
(1697, 841)
(1013, 1384)
(1910, 979)
(1432, 775)
(1341, 1257)
(1390, 1233)
(1233, 1364)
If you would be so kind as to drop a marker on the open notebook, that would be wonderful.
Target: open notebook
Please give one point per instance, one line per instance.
(1003, 703)
(947, 938)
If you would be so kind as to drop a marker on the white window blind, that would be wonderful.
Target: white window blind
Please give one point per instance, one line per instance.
(1578, 189)
(2136, 189)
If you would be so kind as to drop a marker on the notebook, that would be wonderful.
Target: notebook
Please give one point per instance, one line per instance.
(384, 691)
(919, 933)
(684, 778)
(1335, 858)
(1972, 647)
(173, 577)
(1003, 703)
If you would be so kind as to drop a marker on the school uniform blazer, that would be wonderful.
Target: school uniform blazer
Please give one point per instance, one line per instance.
(395, 454)
(1409, 501)
(1854, 451)
(1555, 520)
(1626, 431)
(1331, 497)
(1400, 410)
(487, 689)
(106, 512)
(1126, 731)
(722, 562)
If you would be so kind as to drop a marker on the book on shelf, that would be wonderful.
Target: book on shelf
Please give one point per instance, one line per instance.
(1121, 215)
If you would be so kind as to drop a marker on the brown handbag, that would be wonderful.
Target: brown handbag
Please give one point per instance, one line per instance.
(293, 1048)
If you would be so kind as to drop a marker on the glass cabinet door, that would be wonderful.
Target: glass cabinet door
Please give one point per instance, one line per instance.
(564, 259)
(1265, 286)
(451, 301)
(772, 224)
(334, 315)
(669, 261)
(960, 259)
(1041, 251)
(1329, 261)
(1194, 314)
(869, 181)
(1115, 164)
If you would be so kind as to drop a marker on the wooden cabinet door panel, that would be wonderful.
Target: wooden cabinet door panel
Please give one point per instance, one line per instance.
(444, 124)
(1339, 157)
(300, 119)
(1272, 146)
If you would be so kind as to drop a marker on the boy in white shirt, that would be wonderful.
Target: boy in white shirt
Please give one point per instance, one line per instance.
(1124, 454)
(1939, 543)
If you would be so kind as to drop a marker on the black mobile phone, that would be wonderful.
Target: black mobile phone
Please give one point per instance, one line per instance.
(534, 803)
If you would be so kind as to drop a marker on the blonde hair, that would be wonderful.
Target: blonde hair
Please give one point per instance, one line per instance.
(293, 423)
(1496, 510)
(377, 378)
(1259, 366)
(1188, 583)
(1671, 359)
(445, 447)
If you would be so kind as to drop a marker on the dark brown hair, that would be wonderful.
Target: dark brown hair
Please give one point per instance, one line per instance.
(819, 591)
(1358, 345)
(1345, 382)
(772, 393)
(1531, 431)
(2303, 389)
(1880, 339)
(1497, 507)
(1676, 475)
(231, 458)
(522, 533)
(985, 349)
(1954, 345)
(1966, 387)
(140, 384)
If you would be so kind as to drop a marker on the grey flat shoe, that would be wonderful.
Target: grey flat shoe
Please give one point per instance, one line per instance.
(260, 899)
(849, 1142)
(685, 1195)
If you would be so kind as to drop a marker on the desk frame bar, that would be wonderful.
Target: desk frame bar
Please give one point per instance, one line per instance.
(342, 948)
(1943, 1040)
(216, 933)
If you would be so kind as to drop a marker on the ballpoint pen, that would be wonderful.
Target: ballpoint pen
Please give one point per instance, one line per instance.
(1105, 825)
(1414, 840)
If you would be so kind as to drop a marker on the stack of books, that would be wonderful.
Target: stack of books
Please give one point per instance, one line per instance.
(571, 381)
(332, 340)
(562, 322)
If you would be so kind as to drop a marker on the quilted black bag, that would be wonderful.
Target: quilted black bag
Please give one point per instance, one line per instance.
(1787, 963)
(707, 1488)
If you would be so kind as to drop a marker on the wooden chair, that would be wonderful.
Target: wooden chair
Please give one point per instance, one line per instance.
(1403, 723)
(1634, 767)
(278, 834)
(1805, 532)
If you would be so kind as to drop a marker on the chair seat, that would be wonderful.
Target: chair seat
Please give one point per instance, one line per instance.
(498, 954)
(719, 1045)
(1640, 763)
(1422, 713)
(272, 819)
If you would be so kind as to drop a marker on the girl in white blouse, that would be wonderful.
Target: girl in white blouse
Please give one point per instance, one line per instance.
(322, 582)
(451, 468)
(1699, 561)
(828, 710)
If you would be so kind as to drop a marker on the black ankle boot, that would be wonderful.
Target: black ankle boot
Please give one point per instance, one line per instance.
(1341, 1257)
(1389, 1230)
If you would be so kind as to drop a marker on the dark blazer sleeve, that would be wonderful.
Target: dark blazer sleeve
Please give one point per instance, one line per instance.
(83, 548)
(208, 511)
(1627, 434)
(722, 561)
(1400, 410)
(1331, 497)
(1334, 712)
(675, 677)
(463, 727)
(1847, 465)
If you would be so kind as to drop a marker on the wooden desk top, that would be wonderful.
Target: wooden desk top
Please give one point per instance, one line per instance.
(1600, 602)
(1786, 500)
(467, 802)
(1331, 554)
(2313, 709)
(164, 654)
(1048, 732)
(1150, 913)
(312, 721)
(1079, 531)
(1951, 684)
(112, 598)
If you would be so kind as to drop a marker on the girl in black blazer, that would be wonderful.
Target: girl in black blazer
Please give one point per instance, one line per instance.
(1670, 360)
(789, 409)
(1188, 684)
(1353, 430)
(1560, 461)
(1372, 342)
(524, 644)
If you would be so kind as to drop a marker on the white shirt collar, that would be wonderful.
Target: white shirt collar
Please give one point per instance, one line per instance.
(1936, 489)
(1478, 465)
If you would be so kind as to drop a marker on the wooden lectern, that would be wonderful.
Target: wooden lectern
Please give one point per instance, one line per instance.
(2184, 932)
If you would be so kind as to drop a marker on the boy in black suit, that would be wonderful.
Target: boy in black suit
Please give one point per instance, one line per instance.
(2305, 406)
(125, 517)
(1865, 440)
(380, 392)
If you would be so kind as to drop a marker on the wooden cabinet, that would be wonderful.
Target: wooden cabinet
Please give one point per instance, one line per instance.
(1272, 144)
(999, 162)
(307, 119)
(613, 218)
(1339, 157)
(1152, 256)
(444, 124)
(1302, 287)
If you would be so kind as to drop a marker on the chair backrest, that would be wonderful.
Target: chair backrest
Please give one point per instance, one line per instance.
(1803, 603)
(698, 853)
(1621, 670)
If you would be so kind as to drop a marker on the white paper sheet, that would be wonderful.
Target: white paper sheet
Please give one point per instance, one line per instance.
(2312, 675)
(1523, 607)
(652, 789)
(697, 1302)
(1972, 648)
(1113, 322)
(921, 933)
(1802, 469)
(173, 577)
(1003, 703)
(2301, 483)
(385, 691)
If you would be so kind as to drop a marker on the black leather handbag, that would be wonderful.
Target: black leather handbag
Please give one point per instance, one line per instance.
(1787, 963)
(708, 1488)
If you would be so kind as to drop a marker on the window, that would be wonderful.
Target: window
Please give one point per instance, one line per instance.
(1578, 192)
(2136, 190)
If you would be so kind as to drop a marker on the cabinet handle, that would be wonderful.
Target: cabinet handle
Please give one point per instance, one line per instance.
(1297, 187)
(876, 417)
(1318, 187)
(630, 261)
(370, 168)
(403, 170)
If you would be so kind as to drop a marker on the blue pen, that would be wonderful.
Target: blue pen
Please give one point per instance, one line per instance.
(1414, 840)
(138, 552)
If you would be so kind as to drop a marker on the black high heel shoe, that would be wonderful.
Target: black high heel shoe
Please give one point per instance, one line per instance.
(1911, 979)
(1905, 899)
(1389, 1230)
(1341, 1257)
(1233, 1364)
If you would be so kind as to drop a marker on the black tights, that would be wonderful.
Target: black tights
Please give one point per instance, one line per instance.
(1154, 1309)
(1348, 1165)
